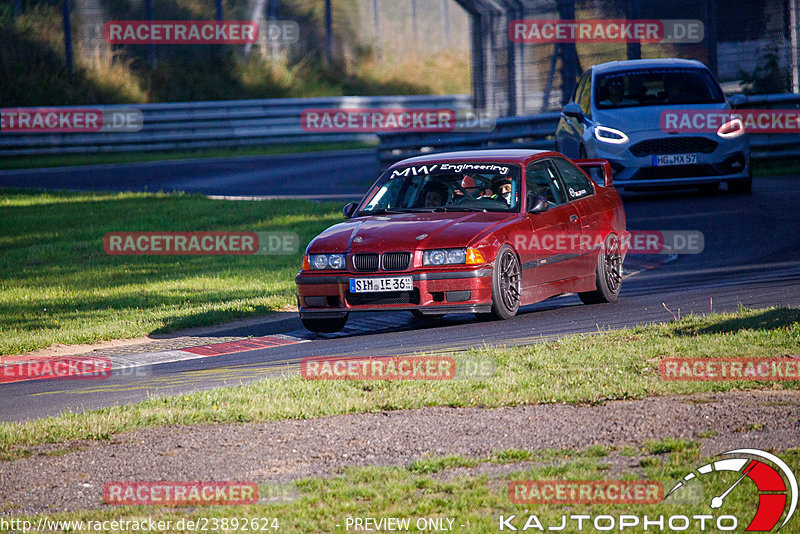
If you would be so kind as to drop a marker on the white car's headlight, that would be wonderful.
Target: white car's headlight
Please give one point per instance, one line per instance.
(732, 128)
(610, 135)
(453, 256)
(326, 261)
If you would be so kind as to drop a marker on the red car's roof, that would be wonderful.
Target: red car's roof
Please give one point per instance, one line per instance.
(509, 156)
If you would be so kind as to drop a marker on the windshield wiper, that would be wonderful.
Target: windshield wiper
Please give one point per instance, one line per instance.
(382, 212)
(456, 208)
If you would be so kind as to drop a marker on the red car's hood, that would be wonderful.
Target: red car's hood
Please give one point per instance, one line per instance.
(407, 231)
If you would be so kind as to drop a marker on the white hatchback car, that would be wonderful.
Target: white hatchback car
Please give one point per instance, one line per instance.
(615, 114)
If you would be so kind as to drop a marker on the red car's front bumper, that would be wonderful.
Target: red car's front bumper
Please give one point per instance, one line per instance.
(327, 295)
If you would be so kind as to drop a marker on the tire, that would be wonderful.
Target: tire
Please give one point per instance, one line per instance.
(324, 326)
(506, 284)
(419, 315)
(608, 274)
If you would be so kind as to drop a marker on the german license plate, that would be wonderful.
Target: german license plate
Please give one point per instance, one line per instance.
(374, 285)
(674, 159)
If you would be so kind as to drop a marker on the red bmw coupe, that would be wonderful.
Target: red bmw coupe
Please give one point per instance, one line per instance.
(482, 231)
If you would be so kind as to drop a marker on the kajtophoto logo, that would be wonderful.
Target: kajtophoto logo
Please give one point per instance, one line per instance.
(774, 481)
(771, 477)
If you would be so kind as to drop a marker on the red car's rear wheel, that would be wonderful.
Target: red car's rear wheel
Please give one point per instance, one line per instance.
(608, 274)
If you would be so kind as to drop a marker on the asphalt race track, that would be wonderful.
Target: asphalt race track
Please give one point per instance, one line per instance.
(345, 174)
(751, 258)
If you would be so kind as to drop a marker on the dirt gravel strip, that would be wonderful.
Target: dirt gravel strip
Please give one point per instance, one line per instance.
(282, 451)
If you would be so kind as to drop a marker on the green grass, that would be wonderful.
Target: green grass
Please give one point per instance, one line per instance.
(475, 501)
(70, 160)
(576, 369)
(57, 285)
(776, 167)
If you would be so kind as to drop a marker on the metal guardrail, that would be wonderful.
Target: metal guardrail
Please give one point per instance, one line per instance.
(537, 131)
(192, 125)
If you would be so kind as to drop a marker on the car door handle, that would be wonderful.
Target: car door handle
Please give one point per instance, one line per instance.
(573, 218)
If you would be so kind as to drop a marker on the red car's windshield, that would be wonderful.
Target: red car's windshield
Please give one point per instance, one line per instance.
(446, 187)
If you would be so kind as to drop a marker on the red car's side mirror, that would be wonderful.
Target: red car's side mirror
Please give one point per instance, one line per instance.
(349, 210)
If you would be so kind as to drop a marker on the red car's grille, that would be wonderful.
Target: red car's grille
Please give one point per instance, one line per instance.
(396, 261)
(391, 261)
(365, 262)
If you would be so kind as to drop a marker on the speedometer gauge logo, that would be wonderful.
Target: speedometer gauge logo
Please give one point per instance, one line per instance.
(757, 465)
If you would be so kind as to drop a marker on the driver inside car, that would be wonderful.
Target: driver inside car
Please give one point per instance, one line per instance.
(434, 195)
(502, 190)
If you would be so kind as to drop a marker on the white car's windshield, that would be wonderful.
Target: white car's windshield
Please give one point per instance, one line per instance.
(446, 187)
(655, 87)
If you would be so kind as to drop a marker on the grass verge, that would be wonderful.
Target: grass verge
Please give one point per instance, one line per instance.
(72, 160)
(576, 369)
(776, 167)
(469, 501)
(57, 285)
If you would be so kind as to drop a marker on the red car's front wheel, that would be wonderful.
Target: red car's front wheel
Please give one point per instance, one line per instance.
(506, 284)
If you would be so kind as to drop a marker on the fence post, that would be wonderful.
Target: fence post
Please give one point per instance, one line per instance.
(376, 22)
(633, 12)
(67, 36)
(414, 22)
(151, 48)
(711, 36)
(795, 63)
(445, 24)
(328, 33)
